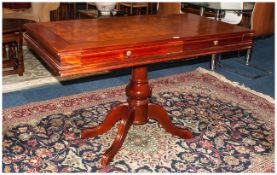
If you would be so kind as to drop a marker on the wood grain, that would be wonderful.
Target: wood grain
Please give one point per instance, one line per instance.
(168, 8)
(92, 45)
(263, 19)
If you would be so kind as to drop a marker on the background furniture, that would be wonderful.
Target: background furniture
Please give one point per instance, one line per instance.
(93, 14)
(122, 9)
(258, 16)
(196, 9)
(165, 8)
(85, 14)
(227, 12)
(12, 46)
(17, 6)
(90, 5)
(232, 12)
(262, 21)
(224, 11)
(39, 12)
(139, 8)
(247, 15)
(66, 11)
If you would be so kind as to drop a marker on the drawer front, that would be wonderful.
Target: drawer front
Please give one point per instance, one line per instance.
(132, 53)
(104, 56)
(154, 50)
(212, 43)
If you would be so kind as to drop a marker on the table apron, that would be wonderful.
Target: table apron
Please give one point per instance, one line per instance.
(110, 64)
(83, 62)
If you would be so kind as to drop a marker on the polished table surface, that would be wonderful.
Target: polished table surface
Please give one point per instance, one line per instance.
(83, 46)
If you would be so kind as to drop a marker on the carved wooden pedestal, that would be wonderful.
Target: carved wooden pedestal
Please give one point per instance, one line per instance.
(137, 111)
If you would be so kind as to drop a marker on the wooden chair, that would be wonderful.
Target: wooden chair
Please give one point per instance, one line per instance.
(12, 55)
(165, 8)
(66, 11)
(262, 21)
(89, 4)
(133, 8)
(39, 12)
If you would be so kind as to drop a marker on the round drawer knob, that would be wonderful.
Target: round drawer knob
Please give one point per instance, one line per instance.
(215, 42)
(129, 53)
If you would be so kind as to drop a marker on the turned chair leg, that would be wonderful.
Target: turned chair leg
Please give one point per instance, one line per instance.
(156, 112)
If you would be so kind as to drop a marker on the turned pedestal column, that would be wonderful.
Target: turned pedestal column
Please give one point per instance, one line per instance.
(138, 110)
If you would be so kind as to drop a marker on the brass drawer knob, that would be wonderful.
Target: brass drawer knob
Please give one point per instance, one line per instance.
(129, 53)
(215, 42)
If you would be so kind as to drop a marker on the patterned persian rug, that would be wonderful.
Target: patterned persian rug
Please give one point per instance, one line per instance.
(233, 128)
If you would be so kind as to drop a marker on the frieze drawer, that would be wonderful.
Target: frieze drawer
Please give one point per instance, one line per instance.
(212, 43)
(132, 52)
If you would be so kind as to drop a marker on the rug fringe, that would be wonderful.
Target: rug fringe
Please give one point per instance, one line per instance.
(236, 84)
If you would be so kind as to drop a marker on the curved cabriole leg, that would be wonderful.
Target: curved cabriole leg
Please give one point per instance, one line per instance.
(122, 131)
(114, 116)
(156, 112)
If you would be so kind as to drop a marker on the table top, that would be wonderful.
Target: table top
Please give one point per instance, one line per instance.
(93, 33)
(102, 44)
(14, 25)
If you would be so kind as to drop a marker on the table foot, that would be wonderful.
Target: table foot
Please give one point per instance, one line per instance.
(157, 112)
(122, 131)
(114, 116)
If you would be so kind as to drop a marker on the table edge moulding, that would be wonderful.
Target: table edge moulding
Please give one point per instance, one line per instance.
(92, 45)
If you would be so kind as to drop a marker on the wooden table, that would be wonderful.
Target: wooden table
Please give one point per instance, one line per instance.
(82, 46)
(12, 46)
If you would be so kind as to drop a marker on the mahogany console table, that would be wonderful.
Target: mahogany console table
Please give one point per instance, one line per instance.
(84, 46)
